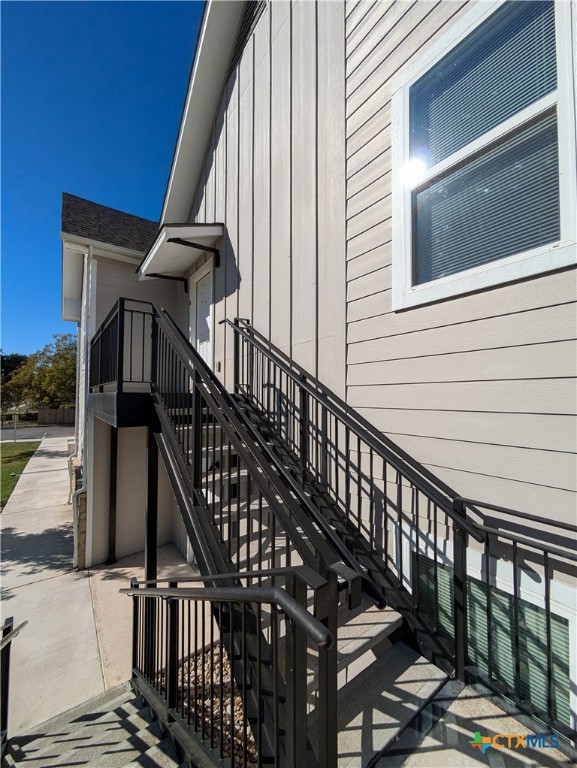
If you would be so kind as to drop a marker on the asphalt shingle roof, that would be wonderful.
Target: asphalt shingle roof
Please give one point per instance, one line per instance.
(106, 225)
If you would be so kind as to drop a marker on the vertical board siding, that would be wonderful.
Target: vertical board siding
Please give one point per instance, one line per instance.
(280, 177)
(303, 182)
(279, 156)
(246, 181)
(331, 209)
(479, 388)
(261, 178)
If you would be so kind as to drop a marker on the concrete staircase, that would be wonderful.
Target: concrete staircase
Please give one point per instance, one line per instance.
(382, 683)
(113, 730)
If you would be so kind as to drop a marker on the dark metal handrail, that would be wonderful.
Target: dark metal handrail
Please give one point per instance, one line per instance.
(394, 454)
(186, 638)
(119, 352)
(9, 633)
(306, 575)
(224, 411)
(272, 595)
(516, 513)
(6, 639)
(290, 405)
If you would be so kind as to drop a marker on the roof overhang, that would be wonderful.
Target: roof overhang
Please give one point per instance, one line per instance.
(72, 271)
(216, 39)
(177, 247)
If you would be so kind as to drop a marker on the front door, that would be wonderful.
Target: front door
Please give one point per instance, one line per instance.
(201, 313)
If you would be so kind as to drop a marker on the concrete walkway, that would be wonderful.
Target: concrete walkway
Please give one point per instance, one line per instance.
(77, 642)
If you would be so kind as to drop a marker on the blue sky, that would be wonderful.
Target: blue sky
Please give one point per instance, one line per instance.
(92, 94)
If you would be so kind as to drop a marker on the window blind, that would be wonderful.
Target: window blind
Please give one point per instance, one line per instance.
(507, 64)
(505, 201)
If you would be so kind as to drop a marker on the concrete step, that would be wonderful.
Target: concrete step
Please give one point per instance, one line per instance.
(126, 751)
(162, 755)
(380, 700)
(363, 636)
(212, 434)
(110, 730)
(75, 724)
(89, 737)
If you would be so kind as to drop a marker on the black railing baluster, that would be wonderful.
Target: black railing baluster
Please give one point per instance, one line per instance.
(489, 605)
(196, 664)
(5, 653)
(172, 650)
(203, 649)
(236, 360)
(516, 621)
(221, 684)
(232, 661)
(135, 626)
(187, 658)
(400, 527)
(460, 593)
(550, 671)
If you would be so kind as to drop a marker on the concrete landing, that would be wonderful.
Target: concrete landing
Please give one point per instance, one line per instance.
(448, 744)
(378, 701)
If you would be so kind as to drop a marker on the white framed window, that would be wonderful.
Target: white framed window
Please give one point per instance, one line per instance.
(484, 179)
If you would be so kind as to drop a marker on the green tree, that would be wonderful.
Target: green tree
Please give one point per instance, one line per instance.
(47, 378)
(10, 364)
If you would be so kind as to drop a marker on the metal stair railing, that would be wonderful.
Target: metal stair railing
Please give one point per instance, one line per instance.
(260, 522)
(198, 673)
(435, 547)
(245, 518)
(8, 634)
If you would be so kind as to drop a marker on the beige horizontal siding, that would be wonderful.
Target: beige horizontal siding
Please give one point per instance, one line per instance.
(521, 430)
(117, 279)
(545, 501)
(530, 396)
(539, 326)
(480, 388)
(539, 361)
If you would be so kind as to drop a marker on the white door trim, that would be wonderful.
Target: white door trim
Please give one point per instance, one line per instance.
(206, 269)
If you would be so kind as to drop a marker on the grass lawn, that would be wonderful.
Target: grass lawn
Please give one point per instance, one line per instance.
(14, 457)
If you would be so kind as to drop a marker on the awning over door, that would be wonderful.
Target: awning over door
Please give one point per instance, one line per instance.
(178, 246)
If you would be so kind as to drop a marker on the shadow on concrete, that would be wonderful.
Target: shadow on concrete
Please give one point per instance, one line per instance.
(32, 553)
(51, 453)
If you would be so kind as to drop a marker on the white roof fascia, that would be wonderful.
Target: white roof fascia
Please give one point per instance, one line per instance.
(214, 48)
(72, 271)
(103, 249)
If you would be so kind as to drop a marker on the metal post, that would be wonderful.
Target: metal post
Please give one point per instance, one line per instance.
(120, 359)
(150, 554)
(197, 432)
(151, 517)
(296, 684)
(236, 366)
(135, 626)
(5, 680)
(327, 706)
(460, 592)
(304, 427)
(154, 353)
(250, 371)
(112, 494)
(172, 649)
